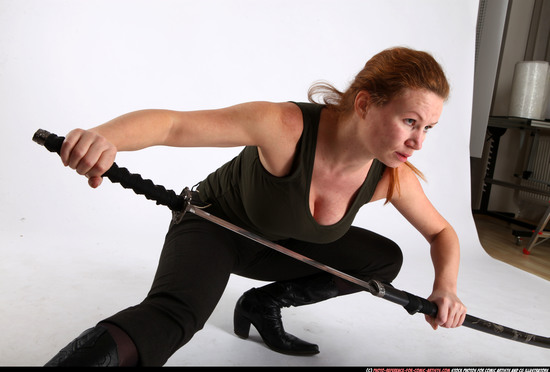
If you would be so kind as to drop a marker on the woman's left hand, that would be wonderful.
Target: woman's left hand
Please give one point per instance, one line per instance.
(451, 311)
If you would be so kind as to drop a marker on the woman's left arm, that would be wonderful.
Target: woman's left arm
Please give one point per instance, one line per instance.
(413, 204)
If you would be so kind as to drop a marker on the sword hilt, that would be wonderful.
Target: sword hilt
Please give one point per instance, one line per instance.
(178, 204)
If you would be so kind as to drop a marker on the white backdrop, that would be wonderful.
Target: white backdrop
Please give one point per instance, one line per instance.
(71, 256)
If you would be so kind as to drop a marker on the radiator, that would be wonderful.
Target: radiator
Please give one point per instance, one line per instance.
(536, 174)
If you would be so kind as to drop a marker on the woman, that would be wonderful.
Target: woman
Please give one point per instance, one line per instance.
(312, 166)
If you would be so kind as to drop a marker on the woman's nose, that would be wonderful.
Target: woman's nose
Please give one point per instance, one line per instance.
(415, 140)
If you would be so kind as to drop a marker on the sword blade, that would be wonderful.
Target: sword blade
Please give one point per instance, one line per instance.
(280, 248)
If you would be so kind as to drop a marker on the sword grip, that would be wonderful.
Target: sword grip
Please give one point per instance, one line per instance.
(116, 174)
(420, 305)
(410, 302)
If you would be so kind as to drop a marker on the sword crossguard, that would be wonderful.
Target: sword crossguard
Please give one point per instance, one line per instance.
(186, 196)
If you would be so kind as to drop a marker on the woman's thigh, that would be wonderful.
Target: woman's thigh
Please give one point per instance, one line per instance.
(359, 252)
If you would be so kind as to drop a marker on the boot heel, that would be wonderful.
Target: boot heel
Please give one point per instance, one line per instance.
(241, 325)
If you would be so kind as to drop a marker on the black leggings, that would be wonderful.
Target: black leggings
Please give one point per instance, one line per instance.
(197, 259)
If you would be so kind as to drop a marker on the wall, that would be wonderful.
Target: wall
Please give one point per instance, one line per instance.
(490, 29)
(70, 64)
(524, 37)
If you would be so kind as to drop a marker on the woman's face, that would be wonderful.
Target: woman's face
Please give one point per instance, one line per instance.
(397, 129)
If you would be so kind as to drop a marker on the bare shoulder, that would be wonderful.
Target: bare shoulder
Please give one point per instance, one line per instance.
(290, 117)
(407, 174)
(286, 111)
(410, 190)
(273, 116)
(281, 124)
(409, 184)
(411, 201)
(281, 133)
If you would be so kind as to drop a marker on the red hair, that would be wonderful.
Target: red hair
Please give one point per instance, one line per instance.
(386, 75)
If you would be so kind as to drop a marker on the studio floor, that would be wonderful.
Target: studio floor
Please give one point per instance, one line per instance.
(52, 290)
(498, 239)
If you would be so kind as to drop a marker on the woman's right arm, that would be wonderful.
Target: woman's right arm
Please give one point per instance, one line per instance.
(263, 124)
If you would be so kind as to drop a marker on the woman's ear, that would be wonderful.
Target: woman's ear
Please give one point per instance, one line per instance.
(361, 105)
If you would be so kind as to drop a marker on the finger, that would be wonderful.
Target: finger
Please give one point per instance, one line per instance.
(431, 321)
(452, 320)
(105, 161)
(462, 319)
(460, 316)
(94, 182)
(95, 175)
(68, 144)
(79, 150)
(442, 315)
(94, 163)
(456, 316)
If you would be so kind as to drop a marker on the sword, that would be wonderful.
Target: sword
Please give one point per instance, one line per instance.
(181, 204)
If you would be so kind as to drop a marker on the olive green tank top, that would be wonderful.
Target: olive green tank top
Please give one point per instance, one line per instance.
(277, 208)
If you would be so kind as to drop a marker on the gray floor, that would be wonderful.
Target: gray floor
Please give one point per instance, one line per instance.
(56, 284)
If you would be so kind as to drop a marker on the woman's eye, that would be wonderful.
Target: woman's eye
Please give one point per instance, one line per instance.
(427, 128)
(409, 121)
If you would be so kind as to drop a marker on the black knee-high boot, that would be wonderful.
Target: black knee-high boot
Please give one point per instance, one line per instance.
(262, 308)
(104, 345)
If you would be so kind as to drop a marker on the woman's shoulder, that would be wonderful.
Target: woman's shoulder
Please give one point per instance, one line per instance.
(272, 120)
(290, 116)
(403, 179)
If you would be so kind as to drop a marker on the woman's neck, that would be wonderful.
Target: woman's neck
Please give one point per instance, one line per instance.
(338, 142)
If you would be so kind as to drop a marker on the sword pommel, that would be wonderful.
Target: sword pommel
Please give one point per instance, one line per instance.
(40, 136)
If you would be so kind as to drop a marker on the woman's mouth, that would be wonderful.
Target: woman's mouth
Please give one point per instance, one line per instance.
(402, 157)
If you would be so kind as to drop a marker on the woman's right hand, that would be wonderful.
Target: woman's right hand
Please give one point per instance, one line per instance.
(89, 153)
